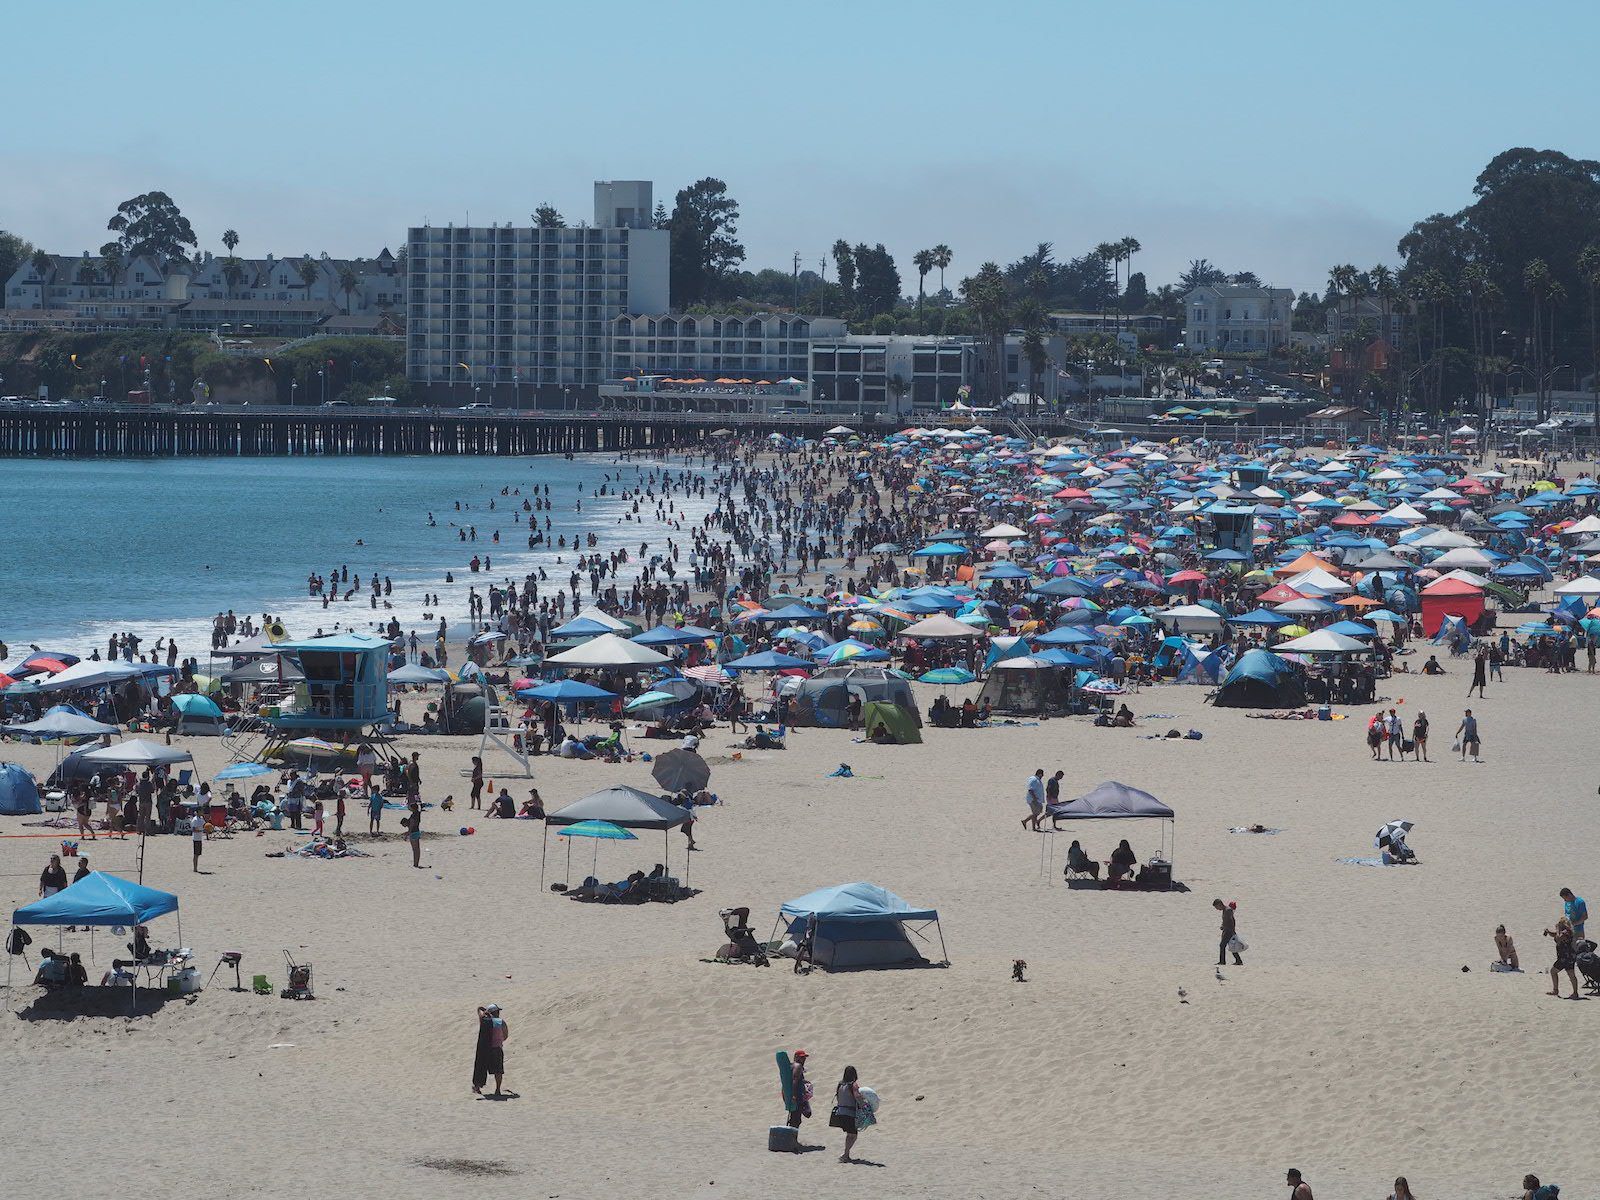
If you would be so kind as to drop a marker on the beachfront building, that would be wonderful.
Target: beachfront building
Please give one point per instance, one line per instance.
(287, 297)
(508, 314)
(1365, 315)
(1227, 318)
(894, 374)
(1129, 330)
(750, 346)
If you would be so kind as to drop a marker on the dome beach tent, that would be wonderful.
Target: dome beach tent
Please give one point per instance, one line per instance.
(98, 899)
(19, 794)
(623, 806)
(1260, 679)
(857, 925)
(1112, 801)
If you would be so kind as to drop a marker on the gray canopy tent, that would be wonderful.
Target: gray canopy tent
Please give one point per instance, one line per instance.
(624, 806)
(1112, 801)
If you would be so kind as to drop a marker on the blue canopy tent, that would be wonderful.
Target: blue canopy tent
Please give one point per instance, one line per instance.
(1200, 665)
(854, 925)
(95, 900)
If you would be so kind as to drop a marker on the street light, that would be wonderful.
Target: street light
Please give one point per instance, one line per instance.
(323, 375)
(566, 398)
(294, 386)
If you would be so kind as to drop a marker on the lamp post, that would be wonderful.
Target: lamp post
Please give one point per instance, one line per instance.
(323, 376)
(103, 389)
(861, 398)
(566, 398)
(294, 387)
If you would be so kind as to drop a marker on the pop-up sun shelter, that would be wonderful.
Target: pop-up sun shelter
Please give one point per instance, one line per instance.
(98, 899)
(623, 806)
(1112, 801)
(19, 794)
(856, 925)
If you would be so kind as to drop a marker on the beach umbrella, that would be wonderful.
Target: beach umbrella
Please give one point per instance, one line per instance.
(244, 770)
(1391, 831)
(947, 676)
(569, 690)
(767, 660)
(600, 831)
(710, 675)
(677, 770)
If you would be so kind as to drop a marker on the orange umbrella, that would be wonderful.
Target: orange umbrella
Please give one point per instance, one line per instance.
(1360, 602)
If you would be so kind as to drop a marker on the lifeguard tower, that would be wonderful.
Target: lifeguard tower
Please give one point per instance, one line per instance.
(346, 683)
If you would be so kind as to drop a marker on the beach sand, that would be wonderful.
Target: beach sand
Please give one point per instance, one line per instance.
(1351, 1044)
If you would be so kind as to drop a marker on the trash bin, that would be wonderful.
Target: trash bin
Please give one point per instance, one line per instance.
(783, 1139)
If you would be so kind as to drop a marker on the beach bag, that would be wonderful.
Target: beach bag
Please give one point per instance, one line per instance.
(19, 941)
(1455, 746)
(1237, 945)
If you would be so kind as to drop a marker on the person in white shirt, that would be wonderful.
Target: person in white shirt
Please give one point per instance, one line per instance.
(1035, 802)
(197, 832)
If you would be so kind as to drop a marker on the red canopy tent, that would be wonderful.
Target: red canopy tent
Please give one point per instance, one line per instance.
(1452, 597)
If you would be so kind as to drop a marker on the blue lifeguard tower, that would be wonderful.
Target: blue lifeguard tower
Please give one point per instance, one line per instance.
(1233, 526)
(346, 683)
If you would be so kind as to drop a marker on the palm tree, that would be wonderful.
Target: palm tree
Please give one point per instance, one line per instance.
(845, 266)
(941, 260)
(110, 263)
(1127, 248)
(309, 270)
(987, 300)
(42, 265)
(1030, 318)
(1589, 272)
(230, 239)
(1110, 253)
(232, 273)
(348, 282)
(923, 261)
(1543, 289)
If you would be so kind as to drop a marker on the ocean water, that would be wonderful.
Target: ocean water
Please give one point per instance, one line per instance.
(158, 547)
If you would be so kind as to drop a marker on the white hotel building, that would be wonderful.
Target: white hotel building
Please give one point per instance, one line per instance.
(502, 311)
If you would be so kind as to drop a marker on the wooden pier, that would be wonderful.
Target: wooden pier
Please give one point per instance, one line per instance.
(108, 431)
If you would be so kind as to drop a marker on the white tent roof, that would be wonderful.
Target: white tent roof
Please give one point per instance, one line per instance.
(137, 753)
(89, 674)
(1319, 581)
(1590, 524)
(1404, 512)
(1321, 642)
(1011, 531)
(1443, 539)
(1189, 614)
(1463, 556)
(608, 650)
(940, 626)
(1589, 585)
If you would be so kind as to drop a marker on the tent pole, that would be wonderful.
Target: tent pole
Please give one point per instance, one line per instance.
(544, 845)
(942, 949)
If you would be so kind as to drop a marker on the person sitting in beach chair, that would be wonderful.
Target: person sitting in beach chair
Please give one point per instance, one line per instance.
(1080, 865)
(1123, 860)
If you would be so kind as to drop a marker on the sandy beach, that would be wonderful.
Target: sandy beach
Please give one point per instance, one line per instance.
(1351, 1044)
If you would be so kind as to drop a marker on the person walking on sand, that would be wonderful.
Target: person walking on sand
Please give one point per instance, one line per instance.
(1566, 957)
(375, 811)
(53, 878)
(1419, 734)
(1230, 930)
(1036, 801)
(477, 783)
(1480, 673)
(1299, 1189)
(846, 1101)
(490, 1058)
(1397, 735)
(1402, 1189)
(1467, 736)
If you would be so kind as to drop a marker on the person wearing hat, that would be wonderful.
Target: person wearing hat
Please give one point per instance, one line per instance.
(490, 1058)
(800, 1091)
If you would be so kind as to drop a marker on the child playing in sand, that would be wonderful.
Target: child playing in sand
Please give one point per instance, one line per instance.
(1506, 948)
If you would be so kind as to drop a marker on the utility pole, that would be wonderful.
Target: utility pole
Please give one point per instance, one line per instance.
(822, 288)
(797, 281)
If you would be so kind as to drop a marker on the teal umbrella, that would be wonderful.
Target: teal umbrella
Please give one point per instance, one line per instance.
(600, 831)
(947, 675)
(603, 830)
(648, 700)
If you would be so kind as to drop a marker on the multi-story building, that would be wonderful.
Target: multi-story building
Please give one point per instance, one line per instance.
(1227, 318)
(769, 346)
(288, 297)
(500, 312)
(890, 374)
(1130, 330)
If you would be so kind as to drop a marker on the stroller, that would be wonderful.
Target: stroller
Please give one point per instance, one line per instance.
(299, 980)
(1588, 965)
(741, 945)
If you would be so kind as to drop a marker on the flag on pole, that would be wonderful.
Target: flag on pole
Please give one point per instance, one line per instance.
(76, 365)
(270, 367)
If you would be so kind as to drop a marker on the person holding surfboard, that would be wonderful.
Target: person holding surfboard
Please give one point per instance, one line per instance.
(798, 1093)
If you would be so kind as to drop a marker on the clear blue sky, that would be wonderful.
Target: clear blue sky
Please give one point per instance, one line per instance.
(1280, 137)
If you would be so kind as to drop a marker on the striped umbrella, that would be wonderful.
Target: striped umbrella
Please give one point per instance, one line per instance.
(1394, 829)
